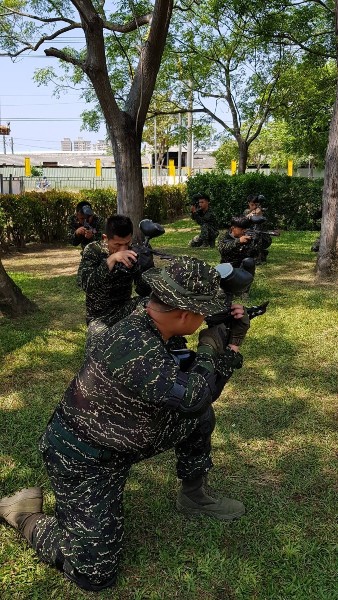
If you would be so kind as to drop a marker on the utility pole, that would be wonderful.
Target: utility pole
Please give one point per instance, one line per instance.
(155, 150)
(189, 128)
(179, 158)
(4, 142)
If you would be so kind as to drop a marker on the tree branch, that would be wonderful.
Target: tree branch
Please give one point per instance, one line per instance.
(65, 57)
(11, 12)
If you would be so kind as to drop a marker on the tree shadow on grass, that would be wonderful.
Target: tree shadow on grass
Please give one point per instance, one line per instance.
(49, 295)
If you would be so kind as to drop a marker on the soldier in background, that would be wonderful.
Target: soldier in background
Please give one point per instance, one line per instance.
(254, 206)
(236, 244)
(84, 227)
(203, 215)
(132, 399)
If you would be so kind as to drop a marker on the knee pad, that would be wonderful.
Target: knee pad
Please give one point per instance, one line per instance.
(82, 581)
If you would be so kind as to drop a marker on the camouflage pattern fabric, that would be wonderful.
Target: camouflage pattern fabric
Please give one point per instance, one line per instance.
(108, 293)
(77, 240)
(209, 228)
(233, 252)
(188, 283)
(112, 415)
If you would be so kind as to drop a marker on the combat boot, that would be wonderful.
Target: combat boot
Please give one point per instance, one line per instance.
(192, 500)
(16, 509)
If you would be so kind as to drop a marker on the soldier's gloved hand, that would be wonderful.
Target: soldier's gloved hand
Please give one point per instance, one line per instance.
(145, 258)
(239, 329)
(217, 337)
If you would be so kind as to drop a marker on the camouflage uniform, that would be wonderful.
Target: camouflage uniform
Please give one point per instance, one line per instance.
(232, 251)
(209, 228)
(77, 240)
(264, 240)
(131, 399)
(108, 293)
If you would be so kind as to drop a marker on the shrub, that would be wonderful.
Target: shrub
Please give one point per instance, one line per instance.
(290, 202)
(165, 203)
(43, 216)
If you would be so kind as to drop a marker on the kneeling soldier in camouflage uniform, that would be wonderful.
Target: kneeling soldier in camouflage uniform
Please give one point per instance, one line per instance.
(235, 245)
(133, 398)
(107, 273)
(84, 227)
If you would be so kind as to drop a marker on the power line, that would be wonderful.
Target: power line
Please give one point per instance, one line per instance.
(37, 119)
(47, 104)
(29, 95)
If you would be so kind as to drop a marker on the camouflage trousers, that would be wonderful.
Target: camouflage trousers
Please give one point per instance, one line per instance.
(207, 237)
(84, 538)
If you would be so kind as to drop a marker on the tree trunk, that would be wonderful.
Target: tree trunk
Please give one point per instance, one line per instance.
(12, 301)
(127, 154)
(243, 156)
(327, 260)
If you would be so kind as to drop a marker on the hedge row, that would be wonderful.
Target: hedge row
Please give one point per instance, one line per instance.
(43, 217)
(290, 202)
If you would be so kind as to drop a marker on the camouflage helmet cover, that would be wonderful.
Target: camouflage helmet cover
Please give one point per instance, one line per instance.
(187, 283)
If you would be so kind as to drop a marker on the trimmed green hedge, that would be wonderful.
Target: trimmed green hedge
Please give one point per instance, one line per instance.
(43, 216)
(165, 203)
(290, 202)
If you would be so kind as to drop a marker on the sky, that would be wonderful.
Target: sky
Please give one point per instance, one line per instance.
(38, 120)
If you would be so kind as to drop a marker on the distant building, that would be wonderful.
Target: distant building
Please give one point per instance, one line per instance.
(66, 145)
(101, 146)
(81, 145)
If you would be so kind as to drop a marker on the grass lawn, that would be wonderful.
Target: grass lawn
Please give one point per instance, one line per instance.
(273, 448)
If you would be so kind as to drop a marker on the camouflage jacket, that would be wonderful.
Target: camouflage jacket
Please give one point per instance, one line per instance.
(106, 291)
(207, 219)
(232, 251)
(73, 224)
(119, 397)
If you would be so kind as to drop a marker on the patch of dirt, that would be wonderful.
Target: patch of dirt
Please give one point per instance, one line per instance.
(175, 230)
(43, 260)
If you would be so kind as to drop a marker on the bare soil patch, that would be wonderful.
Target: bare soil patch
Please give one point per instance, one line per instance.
(43, 260)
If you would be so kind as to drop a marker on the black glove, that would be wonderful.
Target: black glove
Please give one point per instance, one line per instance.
(217, 337)
(145, 259)
(239, 329)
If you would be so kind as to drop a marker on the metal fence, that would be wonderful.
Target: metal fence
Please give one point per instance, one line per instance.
(72, 179)
(14, 181)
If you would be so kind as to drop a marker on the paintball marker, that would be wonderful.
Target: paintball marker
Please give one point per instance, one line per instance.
(235, 281)
(255, 231)
(144, 250)
(88, 226)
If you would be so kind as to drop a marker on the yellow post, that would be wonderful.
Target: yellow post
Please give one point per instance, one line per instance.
(290, 168)
(233, 167)
(98, 167)
(171, 168)
(28, 171)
